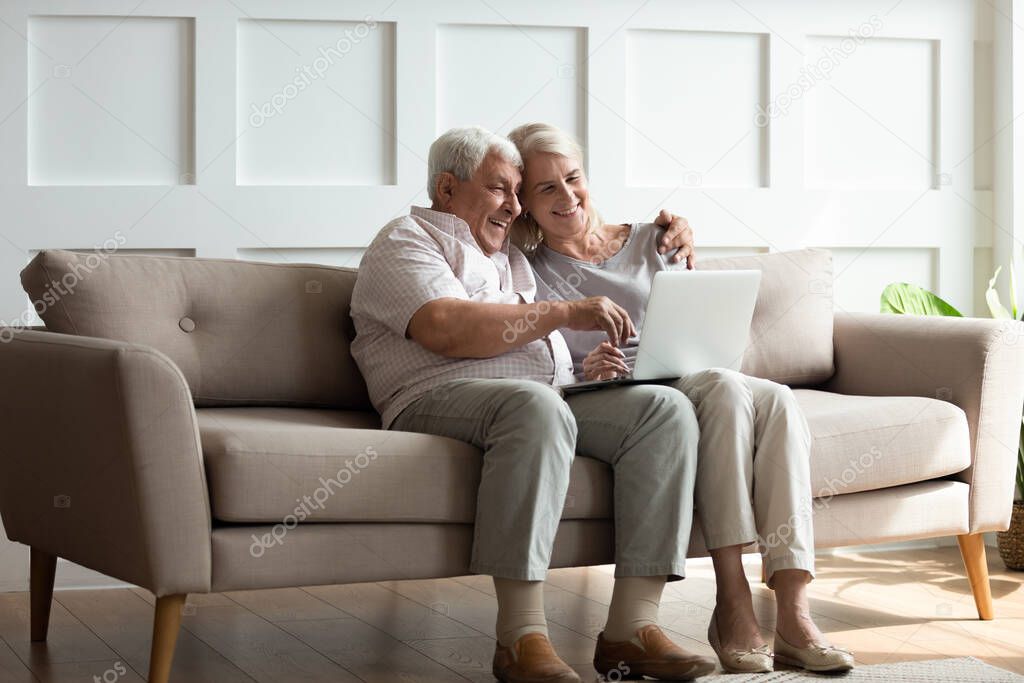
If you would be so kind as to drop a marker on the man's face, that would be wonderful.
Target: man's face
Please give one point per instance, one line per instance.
(487, 201)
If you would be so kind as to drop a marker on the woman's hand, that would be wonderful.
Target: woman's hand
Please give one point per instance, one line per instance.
(604, 362)
(678, 235)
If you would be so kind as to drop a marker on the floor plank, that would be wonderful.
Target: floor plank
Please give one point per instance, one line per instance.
(259, 648)
(470, 657)
(369, 653)
(87, 672)
(459, 601)
(887, 607)
(68, 639)
(124, 621)
(392, 613)
(285, 604)
(12, 669)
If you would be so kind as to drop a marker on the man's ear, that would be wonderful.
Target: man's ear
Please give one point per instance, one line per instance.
(445, 188)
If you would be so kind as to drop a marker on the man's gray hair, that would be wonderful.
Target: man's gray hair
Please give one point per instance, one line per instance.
(460, 151)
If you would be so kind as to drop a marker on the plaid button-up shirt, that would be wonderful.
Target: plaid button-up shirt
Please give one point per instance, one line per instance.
(422, 257)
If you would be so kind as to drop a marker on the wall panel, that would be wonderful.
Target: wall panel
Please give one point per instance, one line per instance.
(873, 125)
(527, 73)
(691, 124)
(316, 100)
(112, 101)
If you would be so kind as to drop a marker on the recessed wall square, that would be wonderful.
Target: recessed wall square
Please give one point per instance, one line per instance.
(873, 122)
(110, 100)
(529, 74)
(692, 100)
(316, 102)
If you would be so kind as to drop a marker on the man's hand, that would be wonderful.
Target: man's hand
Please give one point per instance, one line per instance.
(604, 362)
(600, 313)
(678, 235)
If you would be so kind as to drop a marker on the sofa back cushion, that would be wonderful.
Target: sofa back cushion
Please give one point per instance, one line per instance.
(791, 333)
(242, 333)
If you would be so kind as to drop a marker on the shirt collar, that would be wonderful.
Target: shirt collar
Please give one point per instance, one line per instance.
(458, 228)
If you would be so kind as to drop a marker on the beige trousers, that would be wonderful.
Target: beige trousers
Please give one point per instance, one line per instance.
(753, 467)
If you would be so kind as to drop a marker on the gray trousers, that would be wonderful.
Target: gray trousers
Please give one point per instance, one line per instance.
(753, 474)
(529, 435)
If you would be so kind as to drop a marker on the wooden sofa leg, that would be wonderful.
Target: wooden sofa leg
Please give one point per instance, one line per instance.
(972, 548)
(166, 622)
(43, 567)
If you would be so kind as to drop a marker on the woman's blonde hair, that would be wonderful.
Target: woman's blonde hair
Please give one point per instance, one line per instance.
(543, 137)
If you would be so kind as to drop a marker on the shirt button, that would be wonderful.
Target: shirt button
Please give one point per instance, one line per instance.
(187, 324)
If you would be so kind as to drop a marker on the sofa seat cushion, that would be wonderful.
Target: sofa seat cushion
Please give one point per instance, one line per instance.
(863, 443)
(273, 464)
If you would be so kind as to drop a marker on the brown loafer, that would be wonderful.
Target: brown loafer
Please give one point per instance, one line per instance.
(531, 659)
(649, 653)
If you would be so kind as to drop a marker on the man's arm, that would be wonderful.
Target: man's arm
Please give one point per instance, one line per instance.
(457, 328)
(678, 235)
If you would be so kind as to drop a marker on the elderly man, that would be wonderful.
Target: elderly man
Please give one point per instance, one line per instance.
(451, 342)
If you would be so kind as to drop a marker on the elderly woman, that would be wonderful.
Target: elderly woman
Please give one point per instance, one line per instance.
(753, 481)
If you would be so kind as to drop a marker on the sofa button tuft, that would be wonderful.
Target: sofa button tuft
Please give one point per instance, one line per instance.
(187, 324)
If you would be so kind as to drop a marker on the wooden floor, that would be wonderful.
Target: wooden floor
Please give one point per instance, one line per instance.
(887, 607)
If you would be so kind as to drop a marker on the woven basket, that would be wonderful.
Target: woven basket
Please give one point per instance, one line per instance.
(1011, 541)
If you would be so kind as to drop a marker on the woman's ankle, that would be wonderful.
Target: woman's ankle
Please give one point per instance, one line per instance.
(737, 627)
(797, 627)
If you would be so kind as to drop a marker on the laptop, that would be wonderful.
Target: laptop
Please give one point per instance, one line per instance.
(696, 319)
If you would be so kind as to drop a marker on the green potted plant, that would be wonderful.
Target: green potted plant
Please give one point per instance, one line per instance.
(904, 298)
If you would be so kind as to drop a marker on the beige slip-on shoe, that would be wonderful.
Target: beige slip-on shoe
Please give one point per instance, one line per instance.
(818, 658)
(753, 661)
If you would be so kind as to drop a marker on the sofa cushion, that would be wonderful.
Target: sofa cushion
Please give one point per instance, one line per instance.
(268, 464)
(863, 443)
(791, 332)
(241, 332)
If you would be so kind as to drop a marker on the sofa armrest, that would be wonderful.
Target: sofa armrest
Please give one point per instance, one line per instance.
(102, 463)
(974, 363)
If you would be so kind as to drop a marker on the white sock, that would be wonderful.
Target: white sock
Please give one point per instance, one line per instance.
(520, 609)
(635, 601)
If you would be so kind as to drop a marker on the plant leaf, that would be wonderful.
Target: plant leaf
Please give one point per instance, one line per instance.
(907, 299)
(995, 306)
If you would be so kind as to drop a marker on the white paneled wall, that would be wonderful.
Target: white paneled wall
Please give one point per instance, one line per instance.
(291, 131)
(294, 130)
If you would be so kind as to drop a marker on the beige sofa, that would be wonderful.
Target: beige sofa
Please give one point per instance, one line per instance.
(197, 425)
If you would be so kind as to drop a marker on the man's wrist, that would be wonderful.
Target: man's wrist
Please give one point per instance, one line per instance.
(560, 311)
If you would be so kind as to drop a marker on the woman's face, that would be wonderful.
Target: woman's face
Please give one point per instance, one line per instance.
(555, 193)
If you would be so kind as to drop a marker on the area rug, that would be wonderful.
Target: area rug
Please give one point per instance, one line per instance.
(959, 670)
